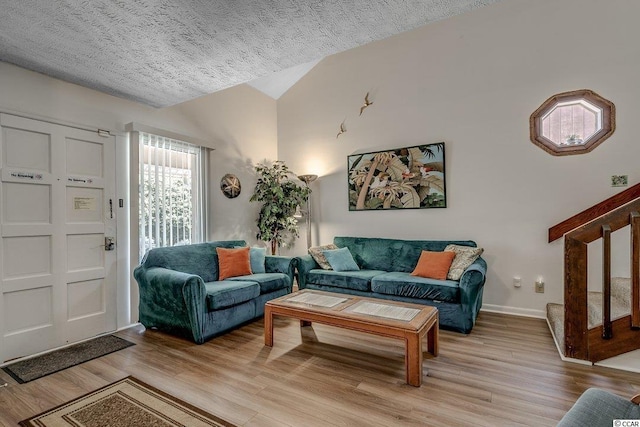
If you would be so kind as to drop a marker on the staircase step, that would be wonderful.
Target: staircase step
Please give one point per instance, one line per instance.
(621, 290)
(555, 317)
(620, 307)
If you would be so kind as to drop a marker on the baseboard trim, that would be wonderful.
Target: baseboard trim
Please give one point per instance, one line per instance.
(514, 311)
(561, 354)
(128, 326)
(619, 362)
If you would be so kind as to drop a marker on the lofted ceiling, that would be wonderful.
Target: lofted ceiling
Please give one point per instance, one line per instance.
(163, 52)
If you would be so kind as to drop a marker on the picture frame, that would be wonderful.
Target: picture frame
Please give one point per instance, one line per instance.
(402, 178)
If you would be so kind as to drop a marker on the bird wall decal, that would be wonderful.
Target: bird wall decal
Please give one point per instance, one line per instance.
(366, 103)
(343, 129)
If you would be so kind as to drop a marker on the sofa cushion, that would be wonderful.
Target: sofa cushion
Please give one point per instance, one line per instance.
(358, 280)
(227, 293)
(318, 256)
(465, 256)
(392, 254)
(257, 258)
(406, 285)
(268, 282)
(233, 262)
(199, 259)
(434, 265)
(340, 259)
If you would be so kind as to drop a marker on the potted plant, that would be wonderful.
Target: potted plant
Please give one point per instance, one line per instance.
(574, 139)
(280, 196)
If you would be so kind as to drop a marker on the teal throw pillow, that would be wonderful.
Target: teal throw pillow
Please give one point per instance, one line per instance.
(340, 259)
(256, 259)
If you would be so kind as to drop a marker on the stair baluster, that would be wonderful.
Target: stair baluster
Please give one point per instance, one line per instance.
(606, 283)
(635, 270)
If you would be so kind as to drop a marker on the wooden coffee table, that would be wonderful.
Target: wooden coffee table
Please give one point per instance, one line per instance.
(408, 322)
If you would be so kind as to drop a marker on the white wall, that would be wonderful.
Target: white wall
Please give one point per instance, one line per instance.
(240, 123)
(472, 81)
(243, 123)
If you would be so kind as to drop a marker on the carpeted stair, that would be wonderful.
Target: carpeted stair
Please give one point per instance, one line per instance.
(620, 307)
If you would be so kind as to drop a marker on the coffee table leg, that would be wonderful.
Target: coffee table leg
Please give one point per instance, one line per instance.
(305, 323)
(433, 337)
(268, 326)
(413, 359)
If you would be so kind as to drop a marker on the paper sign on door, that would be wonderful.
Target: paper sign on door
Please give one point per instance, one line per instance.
(84, 203)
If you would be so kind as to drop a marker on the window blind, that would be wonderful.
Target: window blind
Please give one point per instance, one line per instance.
(172, 192)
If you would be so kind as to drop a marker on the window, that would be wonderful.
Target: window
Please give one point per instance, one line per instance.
(171, 188)
(572, 122)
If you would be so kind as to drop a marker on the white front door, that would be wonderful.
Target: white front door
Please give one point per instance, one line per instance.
(57, 206)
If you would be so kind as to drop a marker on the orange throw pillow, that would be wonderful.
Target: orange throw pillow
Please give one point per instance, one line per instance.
(434, 265)
(233, 262)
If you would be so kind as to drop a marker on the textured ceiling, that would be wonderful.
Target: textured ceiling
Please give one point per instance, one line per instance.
(162, 52)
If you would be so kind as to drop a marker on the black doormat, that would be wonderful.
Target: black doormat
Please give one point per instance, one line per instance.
(40, 366)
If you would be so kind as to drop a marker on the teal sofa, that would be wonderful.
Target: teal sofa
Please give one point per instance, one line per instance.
(180, 292)
(385, 272)
(600, 408)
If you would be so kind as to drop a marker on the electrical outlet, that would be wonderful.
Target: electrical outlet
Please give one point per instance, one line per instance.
(539, 286)
(517, 282)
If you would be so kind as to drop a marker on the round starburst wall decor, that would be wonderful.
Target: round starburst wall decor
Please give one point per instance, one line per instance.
(230, 186)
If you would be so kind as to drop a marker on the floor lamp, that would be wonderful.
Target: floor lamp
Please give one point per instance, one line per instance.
(308, 179)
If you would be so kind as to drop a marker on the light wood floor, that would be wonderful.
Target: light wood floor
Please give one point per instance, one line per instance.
(505, 373)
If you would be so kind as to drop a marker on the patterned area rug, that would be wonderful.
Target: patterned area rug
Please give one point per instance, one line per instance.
(128, 402)
(40, 366)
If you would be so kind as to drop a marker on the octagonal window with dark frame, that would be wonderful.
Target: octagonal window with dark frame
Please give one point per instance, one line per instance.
(572, 122)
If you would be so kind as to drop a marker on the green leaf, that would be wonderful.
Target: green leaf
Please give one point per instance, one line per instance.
(279, 195)
(410, 199)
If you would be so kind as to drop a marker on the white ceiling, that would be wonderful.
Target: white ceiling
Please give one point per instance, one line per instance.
(163, 52)
(276, 84)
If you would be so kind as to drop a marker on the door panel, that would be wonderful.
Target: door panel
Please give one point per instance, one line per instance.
(25, 257)
(39, 316)
(27, 149)
(84, 158)
(85, 251)
(34, 209)
(90, 282)
(58, 283)
(85, 299)
(27, 242)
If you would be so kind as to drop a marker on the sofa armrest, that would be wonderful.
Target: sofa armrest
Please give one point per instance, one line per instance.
(280, 264)
(173, 299)
(597, 407)
(471, 284)
(305, 264)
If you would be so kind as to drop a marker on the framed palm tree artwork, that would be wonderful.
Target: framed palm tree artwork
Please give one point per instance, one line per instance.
(403, 178)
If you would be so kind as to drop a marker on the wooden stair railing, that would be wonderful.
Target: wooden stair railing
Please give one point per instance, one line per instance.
(614, 337)
(595, 211)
